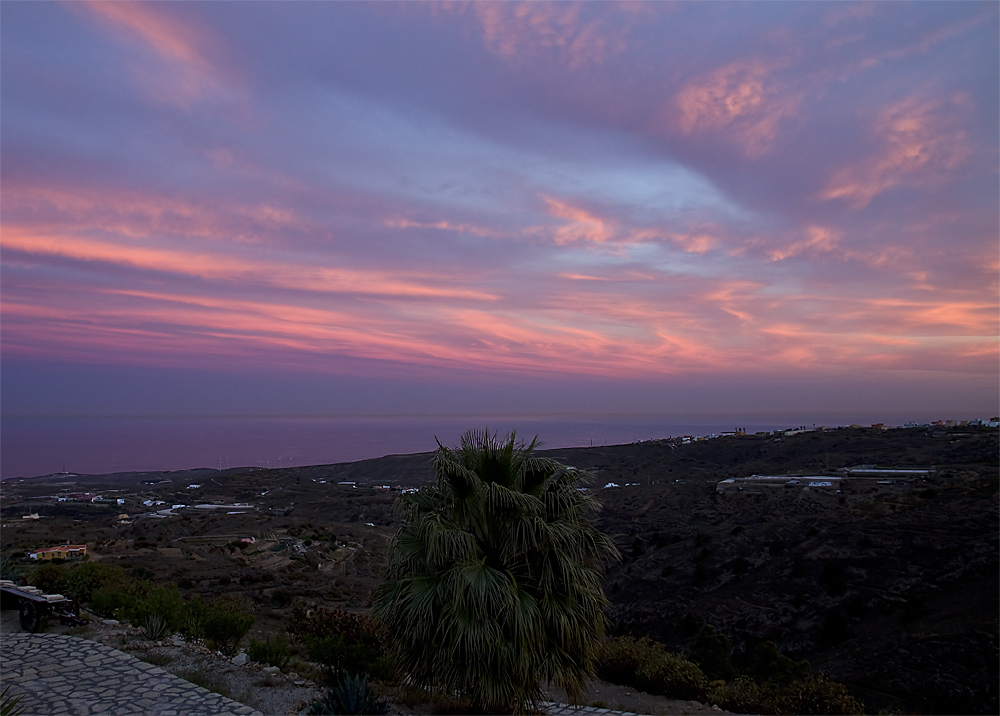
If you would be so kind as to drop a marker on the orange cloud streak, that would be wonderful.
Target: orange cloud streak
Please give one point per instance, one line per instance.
(228, 268)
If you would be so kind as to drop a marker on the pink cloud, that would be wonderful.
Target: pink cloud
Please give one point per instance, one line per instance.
(230, 268)
(581, 225)
(918, 143)
(521, 30)
(180, 72)
(742, 101)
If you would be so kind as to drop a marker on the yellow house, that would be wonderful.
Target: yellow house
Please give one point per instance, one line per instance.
(63, 551)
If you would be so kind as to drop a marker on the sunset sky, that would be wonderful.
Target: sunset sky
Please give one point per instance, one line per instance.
(398, 208)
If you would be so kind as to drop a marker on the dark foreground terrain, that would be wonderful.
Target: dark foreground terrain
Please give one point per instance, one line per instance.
(890, 586)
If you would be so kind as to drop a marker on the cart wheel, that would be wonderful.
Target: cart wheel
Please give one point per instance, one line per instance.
(30, 618)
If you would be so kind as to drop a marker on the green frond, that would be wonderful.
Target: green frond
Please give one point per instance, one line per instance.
(493, 580)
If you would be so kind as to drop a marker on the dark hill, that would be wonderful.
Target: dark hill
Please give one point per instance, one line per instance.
(891, 588)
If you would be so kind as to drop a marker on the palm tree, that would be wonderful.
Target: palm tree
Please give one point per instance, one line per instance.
(493, 581)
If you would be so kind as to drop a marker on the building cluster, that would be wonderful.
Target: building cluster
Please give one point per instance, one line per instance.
(857, 476)
(788, 432)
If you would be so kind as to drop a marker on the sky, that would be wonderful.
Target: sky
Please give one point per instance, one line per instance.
(292, 208)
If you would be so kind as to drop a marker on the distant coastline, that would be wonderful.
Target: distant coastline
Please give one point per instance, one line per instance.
(34, 446)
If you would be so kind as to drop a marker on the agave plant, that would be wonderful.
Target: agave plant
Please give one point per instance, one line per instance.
(10, 705)
(493, 581)
(351, 696)
(154, 627)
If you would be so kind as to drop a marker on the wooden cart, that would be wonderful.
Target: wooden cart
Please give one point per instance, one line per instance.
(35, 607)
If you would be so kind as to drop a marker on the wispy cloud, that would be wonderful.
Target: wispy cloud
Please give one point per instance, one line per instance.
(643, 192)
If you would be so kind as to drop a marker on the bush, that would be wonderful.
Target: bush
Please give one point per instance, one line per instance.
(766, 663)
(818, 695)
(224, 624)
(112, 603)
(164, 602)
(273, 652)
(46, 577)
(83, 580)
(712, 651)
(647, 665)
(814, 695)
(342, 640)
(745, 696)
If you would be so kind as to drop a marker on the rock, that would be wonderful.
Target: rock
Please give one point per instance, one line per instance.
(271, 670)
(299, 682)
(241, 659)
(112, 621)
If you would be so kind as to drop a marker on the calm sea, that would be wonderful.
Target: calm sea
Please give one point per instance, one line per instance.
(32, 446)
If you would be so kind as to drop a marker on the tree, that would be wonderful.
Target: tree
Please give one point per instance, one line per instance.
(493, 581)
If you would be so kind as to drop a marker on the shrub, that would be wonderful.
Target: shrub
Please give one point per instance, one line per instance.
(712, 651)
(82, 580)
(818, 695)
(745, 696)
(273, 652)
(647, 665)
(672, 675)
(164, 602)
(351, 695)
(342, 640)
(766, 663)
(112, 603)
(814, 695)
(46, 577)
(224, 624)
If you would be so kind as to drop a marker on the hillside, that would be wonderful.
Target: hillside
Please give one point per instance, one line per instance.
(891, 588)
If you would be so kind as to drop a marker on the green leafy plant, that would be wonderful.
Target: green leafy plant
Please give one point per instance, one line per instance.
(352, 695)
(768, 664)
(342, 640)
(647, 665)
(273, 652)
(9, 569)
(46, 577)
(818, 695)
(745, 696)
(712, 651)
(224, 624)
(82, 580)
(493, 581)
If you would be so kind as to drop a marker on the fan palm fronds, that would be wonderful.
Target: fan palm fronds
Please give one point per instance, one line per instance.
(493, 581)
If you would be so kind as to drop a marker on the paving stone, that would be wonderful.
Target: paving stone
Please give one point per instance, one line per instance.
(100, 680)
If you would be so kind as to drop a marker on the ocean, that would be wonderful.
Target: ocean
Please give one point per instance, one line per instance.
(33, 446)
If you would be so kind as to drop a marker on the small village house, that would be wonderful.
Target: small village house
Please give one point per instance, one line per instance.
(63, 551)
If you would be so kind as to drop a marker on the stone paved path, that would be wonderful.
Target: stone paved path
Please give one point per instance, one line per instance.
(64, 675)
(61, 675)
(553, 708)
